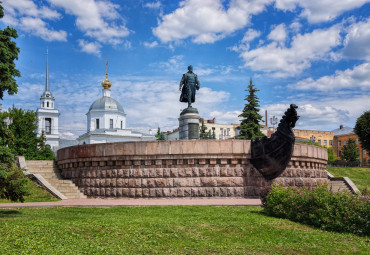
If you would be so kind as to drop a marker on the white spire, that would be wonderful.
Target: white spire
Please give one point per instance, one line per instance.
(47, 70)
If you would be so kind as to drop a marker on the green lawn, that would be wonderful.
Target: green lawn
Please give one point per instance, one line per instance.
(38, 194)
(165, 230)
(359, 175)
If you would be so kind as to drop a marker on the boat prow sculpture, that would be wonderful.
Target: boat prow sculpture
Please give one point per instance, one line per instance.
(270, 156)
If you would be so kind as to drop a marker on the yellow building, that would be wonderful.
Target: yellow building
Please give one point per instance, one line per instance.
(321, 137)
(222, 131)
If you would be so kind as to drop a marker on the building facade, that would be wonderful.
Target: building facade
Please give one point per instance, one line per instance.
(325, 138)
(342, 135)
(106, 121)
(48, 116)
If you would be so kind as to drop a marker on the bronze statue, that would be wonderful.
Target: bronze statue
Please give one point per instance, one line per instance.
(188, 85)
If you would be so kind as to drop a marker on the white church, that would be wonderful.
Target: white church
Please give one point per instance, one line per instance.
(106, 120)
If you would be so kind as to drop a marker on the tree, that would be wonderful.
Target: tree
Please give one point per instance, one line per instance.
(203, 131)
(160, 135)
(249, 126)
(349, 151)
(8, 53)
(362, 130)
(24, 140)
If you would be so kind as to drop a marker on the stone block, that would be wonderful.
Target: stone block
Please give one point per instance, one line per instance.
(202, 171)
(107, 192)
(188, 172)
(138, 173)
(113, 192)
(181, 172)
(138, 192)
(131, 192)
(187, 192)
(180, 192)
(230, 192)
(126, 173)
(223, 182)
(119, 192)
(151, 183)
(194, 192)
(120, 173)
(160, 183)
(239, 191)
(166, 192)
(145, 192)
(145, 172)
(169, 182)
(174, 172)
(230, 171)
(209, 192)
(131, 183)
(173, 192)
(159, 172)
(166, 172)
(152, 172)
(125, 192)
(208, 181)
(202, 192)
(196, 182)
(138, 183)
(202, 161)
(216, 192)
(113, 182)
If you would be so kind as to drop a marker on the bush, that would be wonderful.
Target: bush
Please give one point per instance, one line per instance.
(342, 212)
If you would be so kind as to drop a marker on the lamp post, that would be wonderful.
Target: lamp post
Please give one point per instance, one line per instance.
(312, 139)
(273, 121)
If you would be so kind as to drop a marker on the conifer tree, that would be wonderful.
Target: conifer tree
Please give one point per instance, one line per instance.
(8, 53)
(349, 151)
(249, 126)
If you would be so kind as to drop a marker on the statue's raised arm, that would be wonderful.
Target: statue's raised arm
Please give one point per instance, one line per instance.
(188, 85)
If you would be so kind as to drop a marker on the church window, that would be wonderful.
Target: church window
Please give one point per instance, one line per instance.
(121, 124)
(47, 104)
(111, 123)
(325, 142)
(97, 123)
(48, 125)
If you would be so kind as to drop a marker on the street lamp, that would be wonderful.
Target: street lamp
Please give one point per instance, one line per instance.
(312, 139)
(273, 121)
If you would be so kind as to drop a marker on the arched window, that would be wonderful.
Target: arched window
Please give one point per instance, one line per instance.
(47, 104)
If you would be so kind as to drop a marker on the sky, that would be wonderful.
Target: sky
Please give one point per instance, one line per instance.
(315, 54)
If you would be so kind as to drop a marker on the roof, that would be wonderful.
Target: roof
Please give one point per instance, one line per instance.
(106, 104)
(343, 131)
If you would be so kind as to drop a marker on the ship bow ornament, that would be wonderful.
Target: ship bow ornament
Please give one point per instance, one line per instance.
(270, 156)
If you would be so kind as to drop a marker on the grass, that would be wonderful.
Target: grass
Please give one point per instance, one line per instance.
(359, 175)
(38, 194)
(165, 230)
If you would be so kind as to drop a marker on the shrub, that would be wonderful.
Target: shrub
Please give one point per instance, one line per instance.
(342, 212)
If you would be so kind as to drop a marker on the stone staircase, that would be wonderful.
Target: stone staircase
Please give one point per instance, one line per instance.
(338, 186)
(48, 170)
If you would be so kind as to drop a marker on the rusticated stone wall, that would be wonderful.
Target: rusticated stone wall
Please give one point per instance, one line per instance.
(195, 168)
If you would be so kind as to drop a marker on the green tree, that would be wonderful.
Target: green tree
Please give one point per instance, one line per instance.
(23, 140)
(362, 130)
(203, 131)
(249, 126)
(8, 53)
(349, 151)
(331, 154)
(160, 135)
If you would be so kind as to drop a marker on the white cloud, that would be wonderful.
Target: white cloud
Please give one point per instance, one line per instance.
(90, 47)
(356, 78)
(356, 42)
(288, 61)
(250, 35)
(26, 16)
(97, 19)
(151, 45)
(278, 34)
(153, 5)
(228, 117)
(320, 11)
(206, 21)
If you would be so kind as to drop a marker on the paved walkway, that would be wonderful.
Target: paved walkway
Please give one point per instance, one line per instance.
(96, 202)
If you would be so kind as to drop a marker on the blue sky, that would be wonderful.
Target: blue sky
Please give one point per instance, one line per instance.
(315, 54)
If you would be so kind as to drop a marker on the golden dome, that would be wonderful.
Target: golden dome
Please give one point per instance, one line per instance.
(106, 84)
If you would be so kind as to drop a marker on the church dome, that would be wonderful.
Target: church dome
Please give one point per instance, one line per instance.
(106, 104)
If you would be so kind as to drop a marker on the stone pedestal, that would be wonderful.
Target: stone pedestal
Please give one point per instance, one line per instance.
(189, 124)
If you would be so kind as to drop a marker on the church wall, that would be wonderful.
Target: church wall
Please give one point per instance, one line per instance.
(197, 168)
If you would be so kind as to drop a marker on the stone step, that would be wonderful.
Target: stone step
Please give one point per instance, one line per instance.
(49, 171)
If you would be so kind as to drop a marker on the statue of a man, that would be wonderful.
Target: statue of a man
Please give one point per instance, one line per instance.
(188, 84)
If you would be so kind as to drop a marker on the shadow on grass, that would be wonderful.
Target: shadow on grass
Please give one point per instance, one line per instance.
(8, 213)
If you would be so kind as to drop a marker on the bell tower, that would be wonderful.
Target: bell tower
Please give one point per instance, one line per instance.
(47, 115)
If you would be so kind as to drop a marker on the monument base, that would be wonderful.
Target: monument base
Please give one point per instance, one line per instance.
(189, 124)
